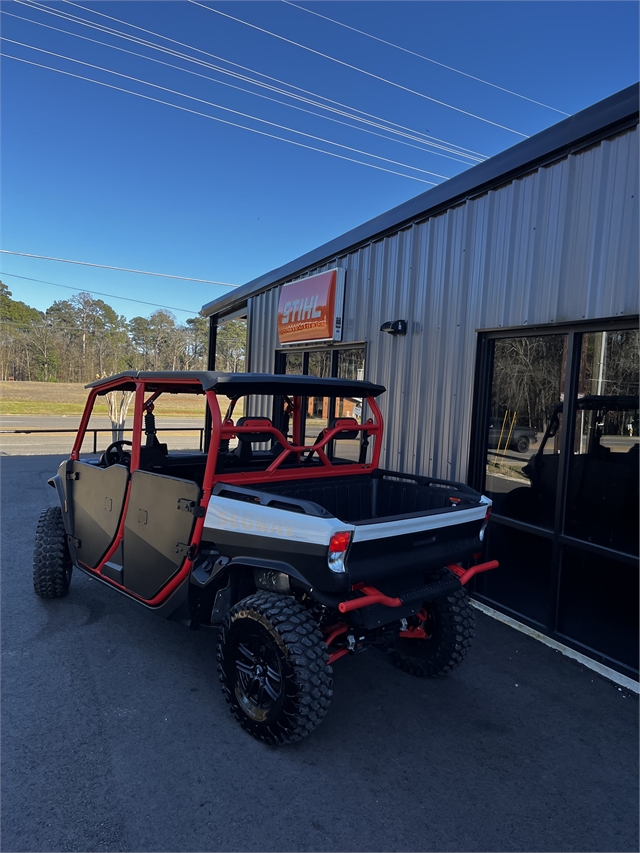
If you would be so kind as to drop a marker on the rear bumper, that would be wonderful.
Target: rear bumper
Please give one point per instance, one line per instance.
(369, 595)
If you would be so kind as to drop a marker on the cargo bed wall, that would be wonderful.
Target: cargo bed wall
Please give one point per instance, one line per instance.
(362, 498)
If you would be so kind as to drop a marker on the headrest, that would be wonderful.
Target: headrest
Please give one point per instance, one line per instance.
(345, 423)
(255, 436)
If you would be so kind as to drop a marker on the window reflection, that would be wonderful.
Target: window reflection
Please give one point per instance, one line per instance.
(351, 363)
(350, 366)
(293, 363)
(602, 496)
(525, 426)
(320, 363)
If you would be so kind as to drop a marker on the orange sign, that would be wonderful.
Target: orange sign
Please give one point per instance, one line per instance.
(311, 309)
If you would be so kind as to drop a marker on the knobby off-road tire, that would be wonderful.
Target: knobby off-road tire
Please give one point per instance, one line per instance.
(450, 627)
(274, 668)
(51, 561)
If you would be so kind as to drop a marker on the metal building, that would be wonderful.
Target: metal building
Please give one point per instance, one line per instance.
(510, 296)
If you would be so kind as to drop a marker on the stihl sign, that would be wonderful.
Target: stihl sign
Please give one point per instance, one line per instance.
(311, 309)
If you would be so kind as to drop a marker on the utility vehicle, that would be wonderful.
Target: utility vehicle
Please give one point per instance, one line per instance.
(602, 490)
(296, 545)
(520, 437)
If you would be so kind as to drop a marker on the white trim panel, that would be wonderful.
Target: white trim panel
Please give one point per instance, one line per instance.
(402, 526)
(257, 520)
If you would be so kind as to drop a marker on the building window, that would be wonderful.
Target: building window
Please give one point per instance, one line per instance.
(526, 388)
(231, 346)
(345, 363)
(555, 446)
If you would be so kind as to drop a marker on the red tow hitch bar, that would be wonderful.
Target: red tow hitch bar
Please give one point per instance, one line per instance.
(371, 595)
(465, 575)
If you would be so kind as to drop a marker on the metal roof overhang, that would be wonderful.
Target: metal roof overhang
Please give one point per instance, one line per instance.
(589, 125)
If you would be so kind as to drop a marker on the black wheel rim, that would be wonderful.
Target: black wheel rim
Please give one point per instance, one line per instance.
(259, 685)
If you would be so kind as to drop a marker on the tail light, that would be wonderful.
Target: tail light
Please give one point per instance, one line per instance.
(337, 549)
(484, 524)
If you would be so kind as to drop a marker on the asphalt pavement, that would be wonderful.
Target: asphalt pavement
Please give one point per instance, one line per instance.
(116, 737)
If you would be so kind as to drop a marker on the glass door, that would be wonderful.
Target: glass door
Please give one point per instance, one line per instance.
(555, 446)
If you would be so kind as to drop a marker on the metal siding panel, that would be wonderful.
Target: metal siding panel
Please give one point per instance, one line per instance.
(263, 328)
(558, 244)
(614, 111)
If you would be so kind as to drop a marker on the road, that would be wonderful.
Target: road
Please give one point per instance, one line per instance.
(115, 737)
(21, 444)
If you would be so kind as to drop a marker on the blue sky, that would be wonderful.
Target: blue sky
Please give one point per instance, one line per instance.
(90, 173)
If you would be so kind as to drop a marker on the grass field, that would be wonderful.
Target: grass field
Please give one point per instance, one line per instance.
(67, 398)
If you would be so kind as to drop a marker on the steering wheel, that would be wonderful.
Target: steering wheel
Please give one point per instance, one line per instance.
(115, 455)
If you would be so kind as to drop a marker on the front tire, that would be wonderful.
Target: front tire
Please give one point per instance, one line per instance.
(274, 668)
(522, 444)
(51, 561)
(449, 629)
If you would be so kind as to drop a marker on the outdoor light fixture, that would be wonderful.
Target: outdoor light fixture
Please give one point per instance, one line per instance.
(395, 327)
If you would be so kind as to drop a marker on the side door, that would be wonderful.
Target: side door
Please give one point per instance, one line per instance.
(157, 531)
(94, 501)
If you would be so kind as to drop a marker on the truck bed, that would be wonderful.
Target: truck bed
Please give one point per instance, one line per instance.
(377, 496)
(401, 526)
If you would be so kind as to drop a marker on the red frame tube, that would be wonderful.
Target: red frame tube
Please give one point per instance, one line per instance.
(207, 486)
(340, 629)
(371, 596)
(84, 421)
(220, 430)
(465, 575)
(272, 473)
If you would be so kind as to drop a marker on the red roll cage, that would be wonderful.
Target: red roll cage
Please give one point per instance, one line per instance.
(222, 429)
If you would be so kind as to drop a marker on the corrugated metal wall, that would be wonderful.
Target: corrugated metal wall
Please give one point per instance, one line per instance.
(557, 245)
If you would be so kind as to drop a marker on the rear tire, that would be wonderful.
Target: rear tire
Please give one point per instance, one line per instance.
(450, 628)
(274, 668)
(522, 444)
(52, 565)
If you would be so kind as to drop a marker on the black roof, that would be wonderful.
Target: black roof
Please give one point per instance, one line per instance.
(587, 126)
(236, 384)
(594, 403)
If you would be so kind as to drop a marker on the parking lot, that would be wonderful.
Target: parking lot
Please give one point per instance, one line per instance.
(115, 736)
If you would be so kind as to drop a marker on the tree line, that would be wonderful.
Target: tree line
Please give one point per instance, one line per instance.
(529, 373)
(81, 338)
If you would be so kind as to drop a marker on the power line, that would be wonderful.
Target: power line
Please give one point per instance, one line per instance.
(96, 292)
(106, 266)
(228, 61)
(360, 70)
(426, 58)
(215, 118)
(240, 88)
(412, 134)
(420, 137)
(225, 109)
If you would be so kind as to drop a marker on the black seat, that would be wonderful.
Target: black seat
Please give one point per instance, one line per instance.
(153, 457)
(346, 423)
(244, 450)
